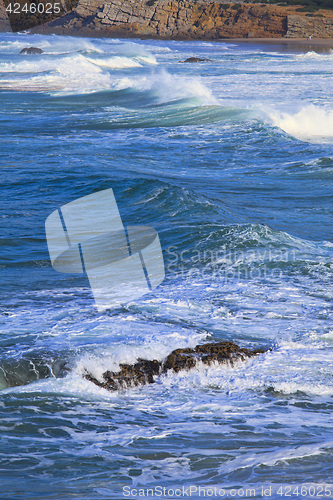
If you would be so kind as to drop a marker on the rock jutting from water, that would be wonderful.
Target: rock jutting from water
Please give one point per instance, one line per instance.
(144, 371)
(31, 50)
(195, 60)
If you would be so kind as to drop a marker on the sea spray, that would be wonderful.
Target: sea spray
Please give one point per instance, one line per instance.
(311, 123)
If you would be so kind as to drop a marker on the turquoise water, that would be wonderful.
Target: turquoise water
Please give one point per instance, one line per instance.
(231, 161)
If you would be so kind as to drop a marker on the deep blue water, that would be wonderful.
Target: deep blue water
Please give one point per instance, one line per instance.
(231, 161)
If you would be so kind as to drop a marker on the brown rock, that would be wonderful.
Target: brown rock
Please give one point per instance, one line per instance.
(4, 21)
(30, 13)
(143, 371)
(303, 27)
(140, 373)
(221, 352)
(188, 19)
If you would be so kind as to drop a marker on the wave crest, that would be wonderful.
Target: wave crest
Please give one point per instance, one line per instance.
(311, 123)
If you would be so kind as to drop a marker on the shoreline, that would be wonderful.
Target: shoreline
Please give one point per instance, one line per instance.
(315, 44)
(326, 44)
(302, 44)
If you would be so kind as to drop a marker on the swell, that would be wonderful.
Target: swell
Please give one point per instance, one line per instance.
(177, 114)
(30, 368)
(311, 123)
(114, 75)
(217, 229)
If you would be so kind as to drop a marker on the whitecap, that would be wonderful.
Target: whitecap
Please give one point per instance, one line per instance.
(312, 123)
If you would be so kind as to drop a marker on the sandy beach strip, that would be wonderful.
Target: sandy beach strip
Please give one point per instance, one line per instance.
(302, 44)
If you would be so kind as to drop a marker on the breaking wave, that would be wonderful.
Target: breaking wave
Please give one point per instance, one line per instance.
(79, 73)
(311, 123)
(58, 45)
(316, 56)
(303, 363)
(72, 74)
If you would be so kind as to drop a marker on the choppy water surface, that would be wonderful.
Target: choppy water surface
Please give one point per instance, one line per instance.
(231, 162)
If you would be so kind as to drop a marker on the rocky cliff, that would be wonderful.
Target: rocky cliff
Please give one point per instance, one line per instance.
(4, 22)
(179, 19)
(174, 19)
(189, 19)
(316, 27)
(25, 14)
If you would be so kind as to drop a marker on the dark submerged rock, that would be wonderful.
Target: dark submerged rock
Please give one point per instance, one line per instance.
(195, 60)
(31, 50)
(143, 371)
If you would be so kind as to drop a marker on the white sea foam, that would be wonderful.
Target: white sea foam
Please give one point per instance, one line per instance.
(311, 123)
(109, 358)
(78, 70)
(71, 74)
(56, 45)
(78, 74)
(30, 66)
(167, 87)
(281, 455)
(67, 63)
(290, 368)
(122, 62)
(315, 55)
(11, 46)
(116, 62)
(134, 50)
(284, 370)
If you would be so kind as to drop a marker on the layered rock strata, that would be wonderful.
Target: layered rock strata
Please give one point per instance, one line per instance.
(188, 19)
(174, 19)
(4, 21)
(305, 26)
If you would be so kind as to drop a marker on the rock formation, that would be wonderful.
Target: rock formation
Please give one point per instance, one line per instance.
(31, 50)
(187, 19)
(305, 26)
(25, 14)
(144, 371)
(4, 21)
(171, 19)
(195, 60)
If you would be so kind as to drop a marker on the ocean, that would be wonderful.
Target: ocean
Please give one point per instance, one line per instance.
(231, 162)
